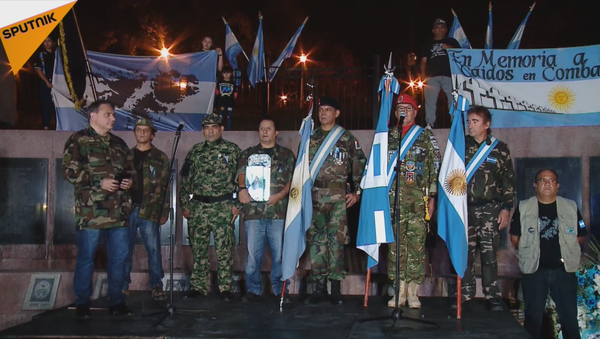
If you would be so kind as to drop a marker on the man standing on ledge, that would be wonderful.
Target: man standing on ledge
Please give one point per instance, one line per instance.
(100, 167)
(335, 156)
(490, 197)
(208, 174)
(152, 167)
(435, 69)
(548, 230)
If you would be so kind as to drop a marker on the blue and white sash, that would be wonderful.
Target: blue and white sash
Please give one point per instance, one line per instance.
(479, 157)
(406, 143)
(332, 138)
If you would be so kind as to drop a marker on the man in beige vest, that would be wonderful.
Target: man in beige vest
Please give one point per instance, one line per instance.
(547, 231)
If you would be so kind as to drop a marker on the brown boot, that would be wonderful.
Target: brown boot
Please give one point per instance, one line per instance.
(401, 296)
(413, 300)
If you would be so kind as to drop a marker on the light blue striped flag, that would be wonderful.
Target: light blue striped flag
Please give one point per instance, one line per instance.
(515, 42)
(232, 46)
(452, 192)
(375, 222)
(256, 68)
(299, 211)
(286, 53)
(488, 35)
(457, 32)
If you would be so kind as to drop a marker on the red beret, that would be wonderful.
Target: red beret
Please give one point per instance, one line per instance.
(407, 99)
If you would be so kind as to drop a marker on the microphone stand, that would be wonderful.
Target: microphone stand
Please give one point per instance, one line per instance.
(171, 309)
(397, 312)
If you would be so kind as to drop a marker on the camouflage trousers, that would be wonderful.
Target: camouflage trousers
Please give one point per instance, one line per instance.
(326, 238)
(413, 232)
(483, 234)
(206, 218)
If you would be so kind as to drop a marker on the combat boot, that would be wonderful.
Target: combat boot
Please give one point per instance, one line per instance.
(319, 293)
(336, 292)
(401, 295)
(413, 300)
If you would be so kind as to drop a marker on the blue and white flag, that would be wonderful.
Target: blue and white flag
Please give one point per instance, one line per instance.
(488, 34)
(299, 210)
(375, 222)
(286, 53)
(256, 68)
(168, 91)
(457, 32)
(452, 192)
(515, 42)
(232, 46)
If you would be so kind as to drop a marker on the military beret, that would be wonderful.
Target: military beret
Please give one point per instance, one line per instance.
(210, 119)
(328, 101)
(145, 122)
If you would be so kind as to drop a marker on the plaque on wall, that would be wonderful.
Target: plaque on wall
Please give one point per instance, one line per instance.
(41, 293)
(595, 197)
(23, 200)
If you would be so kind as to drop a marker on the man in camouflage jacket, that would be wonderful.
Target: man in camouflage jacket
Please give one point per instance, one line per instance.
(417, 188)
(490, 197)
(100, 167)
(150, 204)
(208, 174)
(265, 220)
(329, 232)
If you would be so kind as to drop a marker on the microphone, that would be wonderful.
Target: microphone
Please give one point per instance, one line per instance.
(402, 116)
(180, 127)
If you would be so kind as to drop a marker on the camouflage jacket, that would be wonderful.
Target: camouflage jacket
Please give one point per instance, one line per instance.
(283, 162)
(88, 158)
(420, 167)
(494, 180)
(346, 160)
(156, 176)
(209, 170)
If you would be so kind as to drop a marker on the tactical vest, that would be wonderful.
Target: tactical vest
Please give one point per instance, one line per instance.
(529, 242)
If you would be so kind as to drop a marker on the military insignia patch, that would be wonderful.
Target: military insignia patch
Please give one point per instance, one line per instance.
(419, 168)
(410, 177)
(410, 166)
(356, 144)
(492, 160)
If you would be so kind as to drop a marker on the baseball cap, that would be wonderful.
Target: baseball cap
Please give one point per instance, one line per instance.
(439, 21)
(210, 119)
(145, 122)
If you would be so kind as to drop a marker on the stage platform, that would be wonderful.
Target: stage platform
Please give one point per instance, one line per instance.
(262, 319)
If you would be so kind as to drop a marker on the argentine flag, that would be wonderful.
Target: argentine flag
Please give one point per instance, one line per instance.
(488, 34)
(256, 68)
(457, 32)
(299, 211)
(232, 46)
(452, 192)
(515, 42)
(375, 221)
(286, 53)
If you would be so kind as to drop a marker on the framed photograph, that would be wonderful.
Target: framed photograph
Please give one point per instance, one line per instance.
(41, 294)
(101, 287)
(258, 177)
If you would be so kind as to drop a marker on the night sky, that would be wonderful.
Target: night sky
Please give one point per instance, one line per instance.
(354, 31)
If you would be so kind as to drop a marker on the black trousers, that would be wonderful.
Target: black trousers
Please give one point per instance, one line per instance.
(563, 289)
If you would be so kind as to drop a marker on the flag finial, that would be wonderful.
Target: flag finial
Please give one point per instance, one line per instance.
(389, 70)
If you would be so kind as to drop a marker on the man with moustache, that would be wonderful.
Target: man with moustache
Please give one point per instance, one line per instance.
(264, 214)
(208, 174)
(490, 197)
(335, 156)
(419, 167)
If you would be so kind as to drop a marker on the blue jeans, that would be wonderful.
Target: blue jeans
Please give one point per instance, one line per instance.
(150, 232)
(116, 250)
(257, 231)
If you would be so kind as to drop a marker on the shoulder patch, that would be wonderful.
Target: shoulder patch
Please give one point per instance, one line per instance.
(356, 144)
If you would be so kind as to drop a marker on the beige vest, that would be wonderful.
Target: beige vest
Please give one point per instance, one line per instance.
(529, 242)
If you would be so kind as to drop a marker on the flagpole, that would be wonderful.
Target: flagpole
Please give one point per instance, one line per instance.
(458, 297)
(87, 61)
(368, 282)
